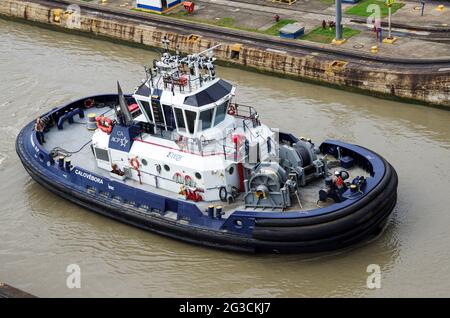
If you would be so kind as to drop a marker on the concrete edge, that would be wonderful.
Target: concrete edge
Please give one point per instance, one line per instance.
(7, 291)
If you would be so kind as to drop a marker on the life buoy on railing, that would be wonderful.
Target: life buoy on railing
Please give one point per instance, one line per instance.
(134, 162)
(182, 142)
(188, 181)
(88, 103)
(104, 123)
(178, 177)
(232, 110)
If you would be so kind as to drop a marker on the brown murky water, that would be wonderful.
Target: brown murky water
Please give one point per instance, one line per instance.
(41, 234)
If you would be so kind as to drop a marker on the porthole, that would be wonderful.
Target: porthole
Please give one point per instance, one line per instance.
(198, 175)
(231, 170)
(144, 162)
(238, 224)
(166, 167)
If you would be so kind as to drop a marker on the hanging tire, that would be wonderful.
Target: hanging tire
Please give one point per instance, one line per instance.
(223, 194)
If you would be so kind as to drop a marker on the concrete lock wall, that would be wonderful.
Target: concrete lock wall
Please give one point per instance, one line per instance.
(422, 84)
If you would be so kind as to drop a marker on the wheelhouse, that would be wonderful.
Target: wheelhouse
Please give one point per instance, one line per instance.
(187, 113)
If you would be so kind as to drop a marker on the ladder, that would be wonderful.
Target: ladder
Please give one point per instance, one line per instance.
(158, 117)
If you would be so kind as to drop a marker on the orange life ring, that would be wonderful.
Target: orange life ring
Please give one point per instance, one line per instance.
(182, 142)
(231, 110)
(134, 162)
(178, 177)
(88, 103)
(104, 123)
(188, 180)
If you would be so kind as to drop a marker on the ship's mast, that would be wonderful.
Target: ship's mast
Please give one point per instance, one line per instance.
(169, 64)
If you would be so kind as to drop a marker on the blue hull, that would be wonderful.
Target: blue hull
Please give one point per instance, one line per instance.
(321, 229)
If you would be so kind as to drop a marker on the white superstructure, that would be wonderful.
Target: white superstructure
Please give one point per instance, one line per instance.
(193, 139)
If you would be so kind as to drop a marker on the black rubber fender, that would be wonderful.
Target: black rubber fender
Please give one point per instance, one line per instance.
(331, 243)
(319, 231)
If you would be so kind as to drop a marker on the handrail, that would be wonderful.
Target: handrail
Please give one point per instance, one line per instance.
(192, 83)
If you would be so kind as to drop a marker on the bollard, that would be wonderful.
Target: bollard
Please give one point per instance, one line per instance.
(57, 15)
(219, 212)
(211, 211)
(61, 161)
(67, 164)
(91, 123)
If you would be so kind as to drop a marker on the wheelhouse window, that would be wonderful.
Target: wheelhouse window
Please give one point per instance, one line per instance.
(206, 117)
(220, 113)
(190, 119)
(180, 119)
(147, 110)
(170, 117)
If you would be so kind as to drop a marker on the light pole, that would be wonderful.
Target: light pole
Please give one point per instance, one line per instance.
(389, 21)
(338, 20)
(390, 39)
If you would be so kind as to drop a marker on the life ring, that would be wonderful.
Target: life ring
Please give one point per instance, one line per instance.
(134, 162)
(182, 141)
(89, 103)
(104, 123)
(231, 110)
(178, 177)
(188, 181)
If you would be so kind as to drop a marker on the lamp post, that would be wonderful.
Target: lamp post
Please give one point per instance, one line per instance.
(390, 39)
(389, 19)
(338, 20)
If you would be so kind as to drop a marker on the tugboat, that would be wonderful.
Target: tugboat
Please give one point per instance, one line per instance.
(181, 158)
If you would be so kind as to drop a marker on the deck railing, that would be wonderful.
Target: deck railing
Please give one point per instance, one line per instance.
(180, 81)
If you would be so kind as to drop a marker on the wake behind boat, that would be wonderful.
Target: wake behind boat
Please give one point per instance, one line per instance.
(180, 157)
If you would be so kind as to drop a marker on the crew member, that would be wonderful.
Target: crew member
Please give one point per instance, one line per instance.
(116, 170)
(338, 181)
(39, 128)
